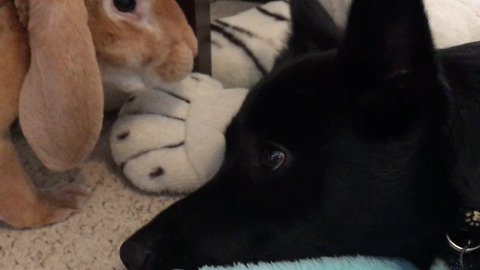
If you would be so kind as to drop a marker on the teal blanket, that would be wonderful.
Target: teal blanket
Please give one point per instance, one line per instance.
(333, 263)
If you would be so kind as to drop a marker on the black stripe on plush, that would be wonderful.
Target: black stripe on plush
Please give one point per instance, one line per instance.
(123, 164)
(173, 95)
(159, 114)
(174, 145)
(216, 44)
(159, 171)
(240, 44)
(276, 16)
(131, 99)
(236, 28)
(195, 78)
(123, 136)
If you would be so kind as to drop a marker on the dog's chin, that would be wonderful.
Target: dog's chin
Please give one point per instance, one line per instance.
(136, 257)
(152, 263)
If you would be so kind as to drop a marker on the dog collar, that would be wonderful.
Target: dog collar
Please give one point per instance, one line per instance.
(467, 237)
(465, 249)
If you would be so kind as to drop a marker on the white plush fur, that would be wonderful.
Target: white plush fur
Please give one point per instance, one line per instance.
(195, 116)
(230, 64)
(453, 22)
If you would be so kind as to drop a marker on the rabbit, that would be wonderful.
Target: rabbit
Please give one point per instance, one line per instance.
(57, 57)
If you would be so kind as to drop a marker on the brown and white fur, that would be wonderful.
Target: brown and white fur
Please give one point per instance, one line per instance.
(55, 59)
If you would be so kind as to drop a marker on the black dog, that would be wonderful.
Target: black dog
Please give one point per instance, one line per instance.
(363, 144)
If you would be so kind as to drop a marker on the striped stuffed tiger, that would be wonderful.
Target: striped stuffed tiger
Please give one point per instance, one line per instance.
(245, 45)
(171, 139)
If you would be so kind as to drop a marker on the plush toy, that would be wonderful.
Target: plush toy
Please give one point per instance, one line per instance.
(171, 139)
(333, 263)
(245, 45)
(55, 55)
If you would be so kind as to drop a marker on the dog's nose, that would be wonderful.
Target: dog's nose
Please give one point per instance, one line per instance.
(135, 257)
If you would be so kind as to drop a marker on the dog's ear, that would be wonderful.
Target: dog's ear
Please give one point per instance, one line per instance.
(388, 60)
(312, 27)
(312, 30)
(61, 101)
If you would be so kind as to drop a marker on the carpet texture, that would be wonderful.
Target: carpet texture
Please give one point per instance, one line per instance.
(91, 238)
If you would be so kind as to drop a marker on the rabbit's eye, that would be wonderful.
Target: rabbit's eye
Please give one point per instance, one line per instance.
(125, 5)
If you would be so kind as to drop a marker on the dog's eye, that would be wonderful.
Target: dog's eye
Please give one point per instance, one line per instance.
(272, 158)
(125, 5)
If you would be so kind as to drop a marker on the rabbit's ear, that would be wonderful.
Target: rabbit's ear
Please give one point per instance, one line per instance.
(61, 102)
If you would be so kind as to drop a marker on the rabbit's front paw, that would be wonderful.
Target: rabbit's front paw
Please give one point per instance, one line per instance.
(50, 205)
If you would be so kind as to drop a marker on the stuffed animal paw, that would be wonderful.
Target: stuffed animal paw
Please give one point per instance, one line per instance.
(171, 140)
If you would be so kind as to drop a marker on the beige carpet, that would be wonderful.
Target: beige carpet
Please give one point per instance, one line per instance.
(90, 239)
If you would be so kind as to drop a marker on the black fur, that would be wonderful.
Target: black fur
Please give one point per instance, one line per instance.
(379, 132)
